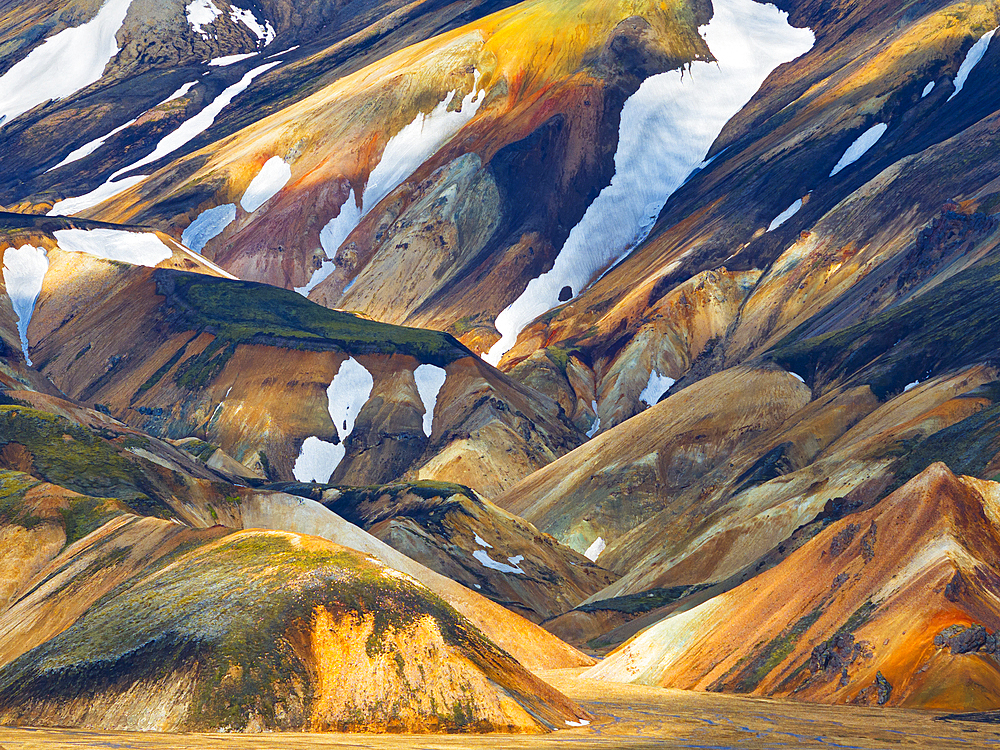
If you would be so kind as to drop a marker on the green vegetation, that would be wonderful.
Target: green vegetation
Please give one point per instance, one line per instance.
(200, 449)
(87, 514)
(13, 487)
(245, 312)
(757, 667)
(228, 608)
(952, 325)
(645, 601)
(69, 455)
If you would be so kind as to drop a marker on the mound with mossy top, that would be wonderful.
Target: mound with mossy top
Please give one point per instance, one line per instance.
(274, 630)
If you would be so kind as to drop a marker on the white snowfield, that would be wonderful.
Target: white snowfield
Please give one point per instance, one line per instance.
(972, 58)
(595, 549)
(597, 421)
(202, 13)
(667, 128)
(430, 379)
(927, 89)
(23, 271)
(187, 131)
(264, 33)
(64, 63)
(137, 248)
(785, 215)
(88, 148)
(226, 60)
(273, 176)
(482, 542)
(209, 224)
(860, 147)
(403, 153)
(347, 394)
(656, 386)
(488, 562)
(417, 142)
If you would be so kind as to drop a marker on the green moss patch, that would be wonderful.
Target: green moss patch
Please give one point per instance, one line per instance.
(243, 312)
(71, 456)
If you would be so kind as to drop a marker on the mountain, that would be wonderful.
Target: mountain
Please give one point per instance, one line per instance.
(895, 605)
(481, 332)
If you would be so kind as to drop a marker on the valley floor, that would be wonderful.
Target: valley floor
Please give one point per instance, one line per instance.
(627, 717)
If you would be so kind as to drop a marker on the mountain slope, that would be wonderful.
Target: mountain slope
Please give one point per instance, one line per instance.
(882, 607)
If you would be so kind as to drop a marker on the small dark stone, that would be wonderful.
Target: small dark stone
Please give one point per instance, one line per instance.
(883, 688)
(566, 294)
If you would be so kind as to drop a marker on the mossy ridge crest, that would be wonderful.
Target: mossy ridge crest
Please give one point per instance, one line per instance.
(244, 312)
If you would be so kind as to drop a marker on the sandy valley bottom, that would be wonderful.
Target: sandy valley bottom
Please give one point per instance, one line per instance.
(627, 716)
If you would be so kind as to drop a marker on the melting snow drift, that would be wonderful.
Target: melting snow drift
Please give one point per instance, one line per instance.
(972, 58)
(208, 226)
(349, 391)
(64, 63)
(656, 386)
(429, 379)
(667, 128)
(187, 131)
(594, 550)
(404, 152)
(23, 271)
(202, 13)
(785, 215)
(488, 562)
(137, 248)
(860, 147)
(273, 176)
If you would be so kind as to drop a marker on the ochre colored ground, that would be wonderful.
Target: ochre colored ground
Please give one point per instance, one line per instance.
(627, 717)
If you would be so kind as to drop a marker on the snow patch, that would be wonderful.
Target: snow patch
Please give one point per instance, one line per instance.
(860, 147)
(482, 542)
(797, 377)
(64, 63)
(656, 386)
(403, 153)
(594, 550)
(187, 131)
(417, 142)
(88, 148)
(597, 421)
(182, 91)
(264, 33)
(515, 560)
(927, 89)
(785, 215)
(226, 60)
(331, 237)
(208, 225)
(580, 723)
(911, 386)
(137, 248)
(23, 271)
(972, 58)
(347, 394)
(429, 379)
(283, 52)
(202, 13)
(666, 130)
(273, 176)
(317, 460)
(109, 189)
(488, 562)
